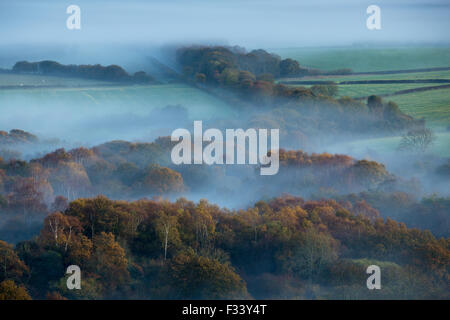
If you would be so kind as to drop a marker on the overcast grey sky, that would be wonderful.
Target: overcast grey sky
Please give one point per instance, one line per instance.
(251, 23)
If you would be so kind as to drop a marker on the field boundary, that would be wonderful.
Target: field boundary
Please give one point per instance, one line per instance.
(368, 73)
(402, 71)
(57, 86)
(319, 82)
(396, 93)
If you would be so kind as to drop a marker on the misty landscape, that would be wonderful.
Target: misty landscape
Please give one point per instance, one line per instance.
(87, 176)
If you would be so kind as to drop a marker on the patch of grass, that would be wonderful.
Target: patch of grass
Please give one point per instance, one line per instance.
(397, 76)
(369, 59)
(100, 114)
(362, 90)
(10, 79)
(433, 105)
(114, 99)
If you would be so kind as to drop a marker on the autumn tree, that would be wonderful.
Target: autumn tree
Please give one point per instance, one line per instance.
(11, 267)
(375, 104)
(391, 111)
(158, 180)
(368, 174)
(59, 204)
(109, 262)
(252, 219)
(166, 226)
(70, 180)
(60, 230)
(93, 214)
(289, 67)
(197, 277)
(315, 252)
(25, 198)
(10, 291)
(203, 223)
(81, 155)
(329, 90)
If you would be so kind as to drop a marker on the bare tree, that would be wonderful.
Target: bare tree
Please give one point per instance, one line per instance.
(167, 226)
(417, 140)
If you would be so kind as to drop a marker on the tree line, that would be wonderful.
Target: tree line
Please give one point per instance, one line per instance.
(113, 73)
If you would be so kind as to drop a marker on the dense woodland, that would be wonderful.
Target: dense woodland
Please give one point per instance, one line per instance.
(119, 210)
(284, 248)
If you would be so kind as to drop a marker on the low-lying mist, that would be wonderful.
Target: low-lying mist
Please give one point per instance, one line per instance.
(93, 116)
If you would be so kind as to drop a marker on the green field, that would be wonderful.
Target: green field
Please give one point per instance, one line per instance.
(433, 105)
(102, 113)
(445, 74)
(363, 90)
(368, 59)
(10, 79)
(111, 100)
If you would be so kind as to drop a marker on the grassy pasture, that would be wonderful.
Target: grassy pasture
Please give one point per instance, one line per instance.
(444, 74)
(98, 114)
(361, 59)
(114, 99)
(11, 79)
(362, 90)
(434, 105)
